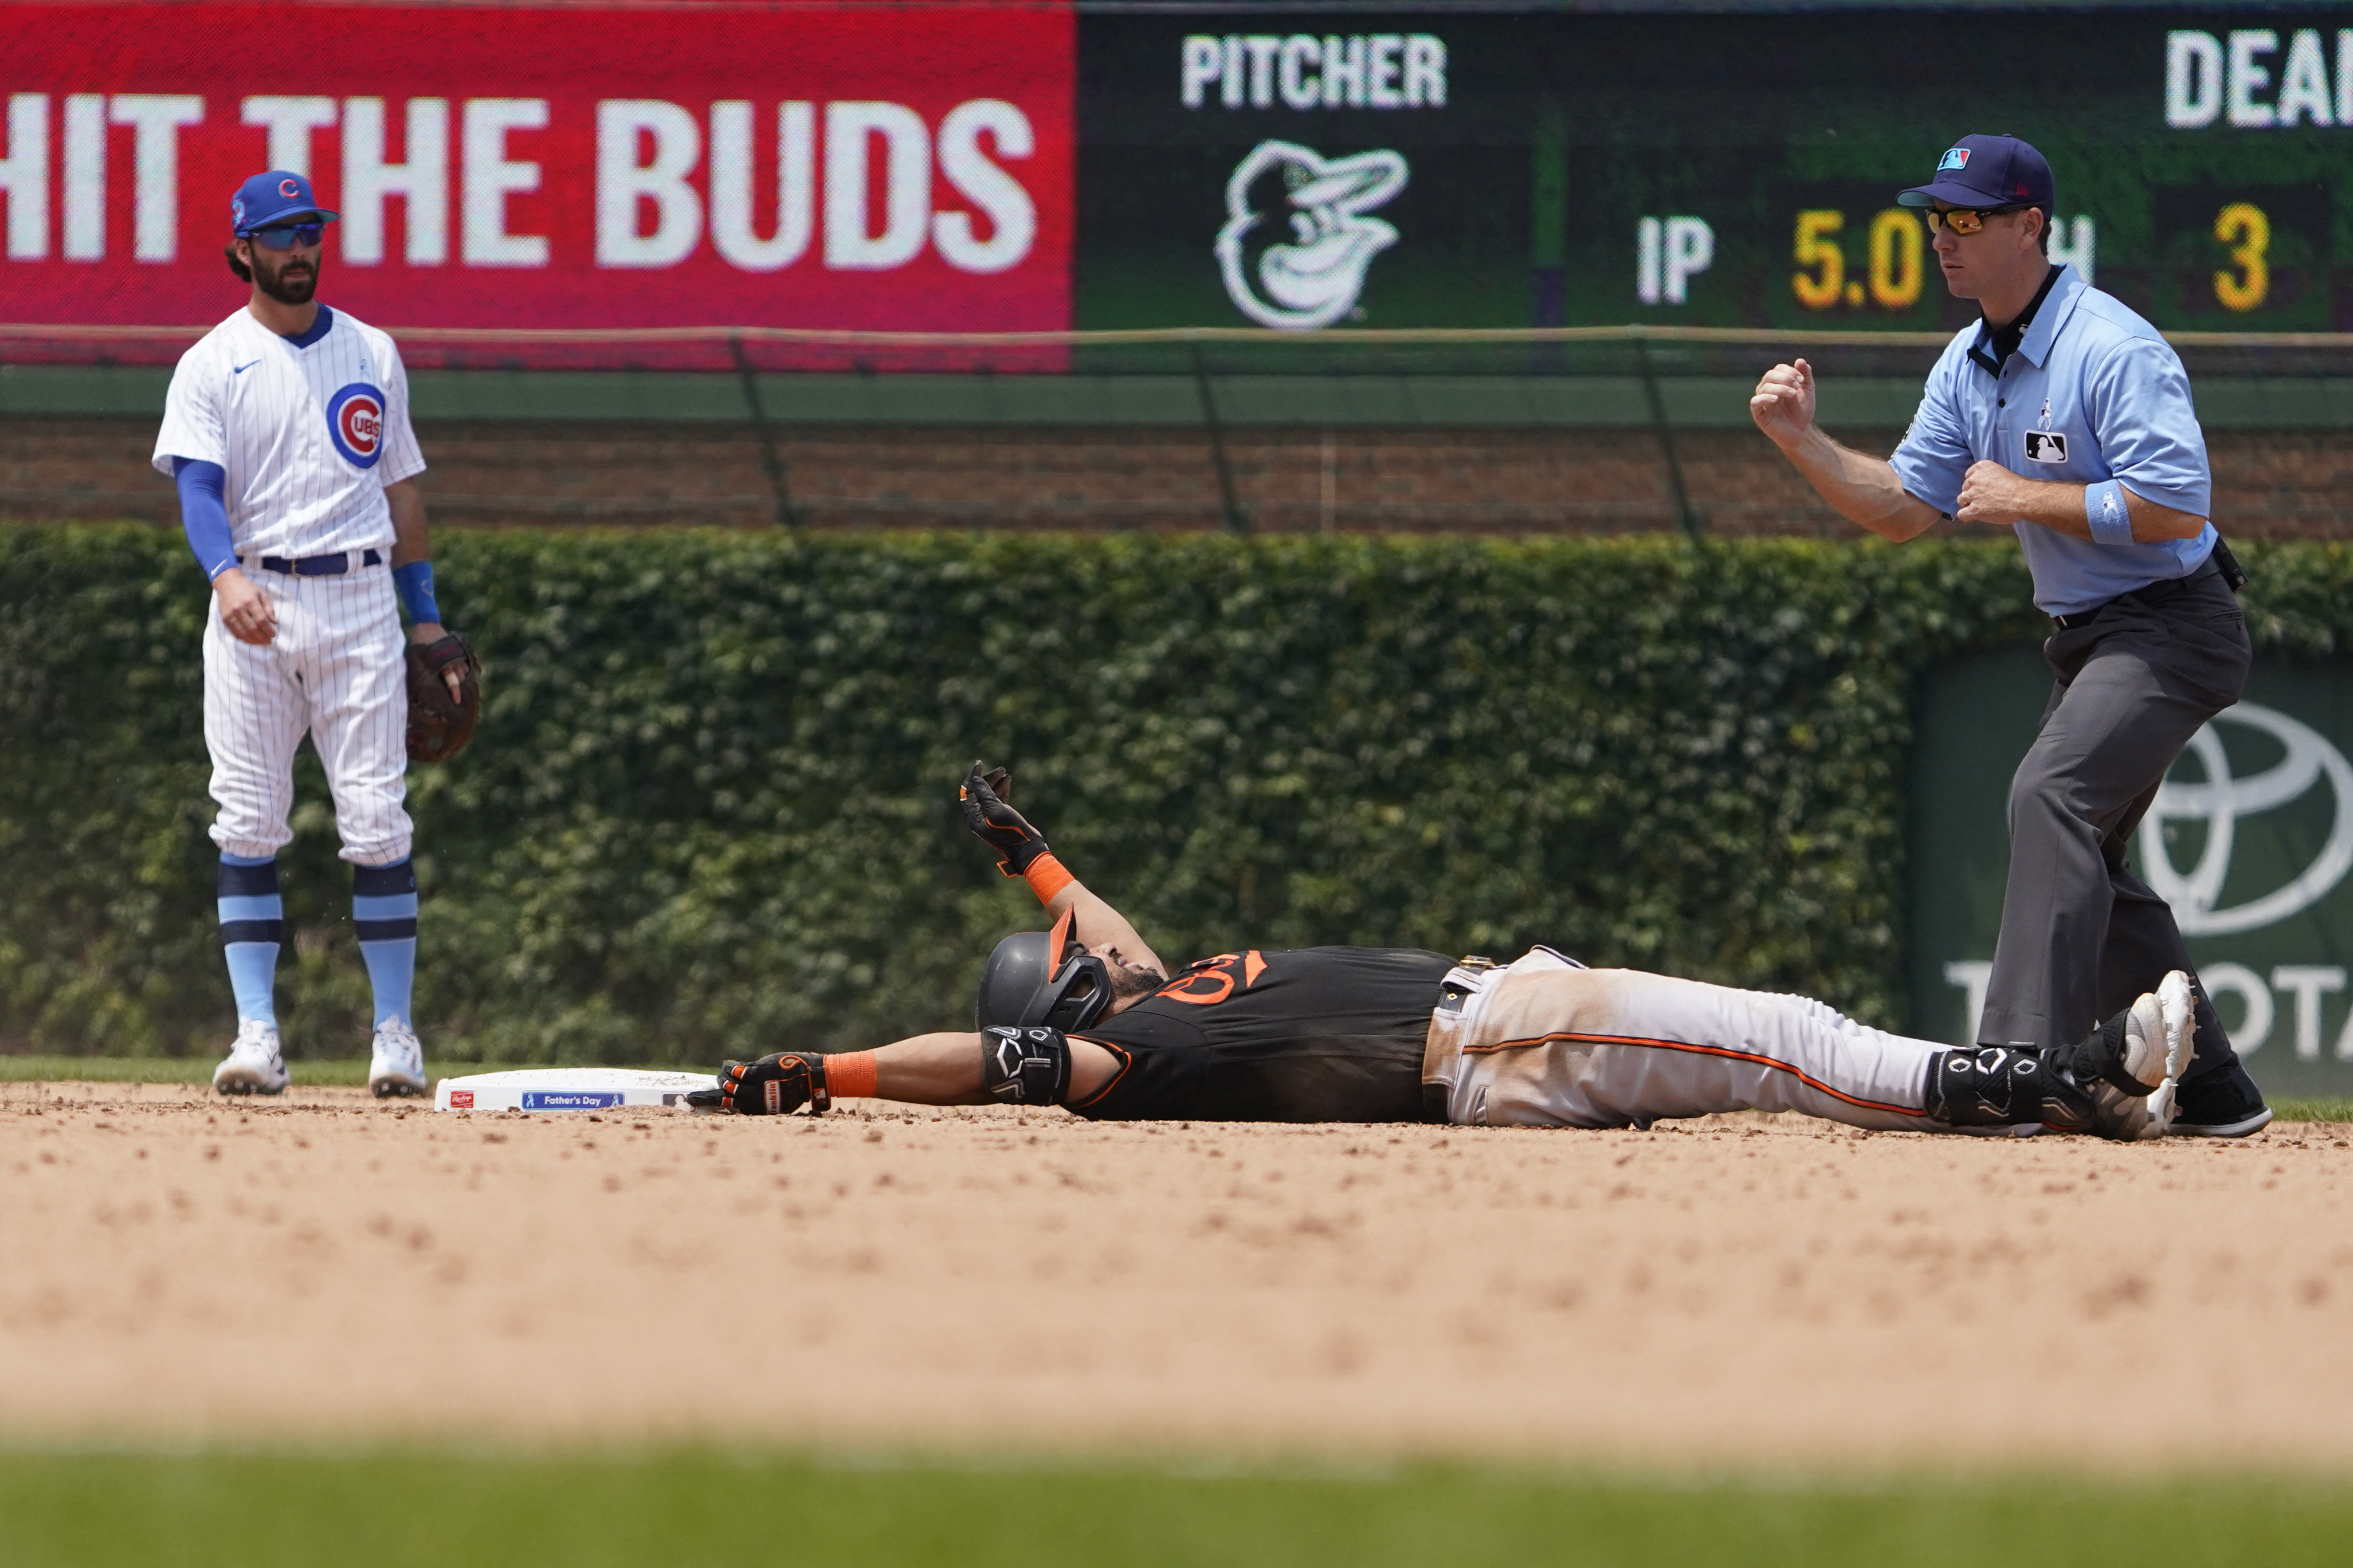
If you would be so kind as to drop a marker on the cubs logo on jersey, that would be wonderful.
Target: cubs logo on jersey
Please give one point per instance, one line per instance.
(355, 424)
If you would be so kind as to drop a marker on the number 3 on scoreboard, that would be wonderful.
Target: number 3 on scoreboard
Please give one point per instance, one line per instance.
(1820, 291)
(2244, 227)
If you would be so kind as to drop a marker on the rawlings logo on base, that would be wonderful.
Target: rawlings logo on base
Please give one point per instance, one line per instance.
(461, 1100)
(355, 424)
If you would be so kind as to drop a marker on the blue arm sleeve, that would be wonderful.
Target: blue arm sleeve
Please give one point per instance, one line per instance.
(203, 513)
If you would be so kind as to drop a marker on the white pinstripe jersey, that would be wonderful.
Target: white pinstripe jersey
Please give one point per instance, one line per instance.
(308, 436)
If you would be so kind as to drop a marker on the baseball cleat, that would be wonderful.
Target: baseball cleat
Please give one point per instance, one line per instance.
(2179, 1005)
(2254, 1121)
(395, 1061)
(2224, 1104)
(256, 1064)
(2133, 1063)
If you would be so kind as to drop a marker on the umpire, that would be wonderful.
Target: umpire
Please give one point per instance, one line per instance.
(2065, 417)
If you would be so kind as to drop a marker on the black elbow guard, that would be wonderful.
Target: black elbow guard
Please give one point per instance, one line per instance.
(1025, 1066)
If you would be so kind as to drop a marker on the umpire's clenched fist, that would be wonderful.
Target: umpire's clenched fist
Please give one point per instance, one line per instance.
(1991, 493)
(1783, 403)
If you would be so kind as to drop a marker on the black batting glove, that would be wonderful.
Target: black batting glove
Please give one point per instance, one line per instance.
(775, 1085)
(996, 824)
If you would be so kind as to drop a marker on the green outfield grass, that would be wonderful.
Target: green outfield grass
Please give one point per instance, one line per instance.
(352, 1072)
(261, 1511)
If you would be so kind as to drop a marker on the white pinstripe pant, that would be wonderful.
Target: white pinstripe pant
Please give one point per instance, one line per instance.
(1546, 1044)
(336, 670)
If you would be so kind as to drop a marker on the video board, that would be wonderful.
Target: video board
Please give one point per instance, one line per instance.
(1451, 168)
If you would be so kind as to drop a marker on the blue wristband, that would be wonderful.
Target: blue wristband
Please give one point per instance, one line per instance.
(414, 583)
(2104, 509)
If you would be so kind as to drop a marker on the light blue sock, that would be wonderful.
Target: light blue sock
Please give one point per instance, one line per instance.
(384, 911)
(252, 926)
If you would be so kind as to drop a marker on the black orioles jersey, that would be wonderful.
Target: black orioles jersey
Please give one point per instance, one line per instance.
(1317, 1033)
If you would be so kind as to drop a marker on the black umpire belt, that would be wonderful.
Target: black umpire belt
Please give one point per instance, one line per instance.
(334, 565)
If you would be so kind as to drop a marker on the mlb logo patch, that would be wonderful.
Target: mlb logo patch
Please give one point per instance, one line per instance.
(1958, 158)
(2046, 446)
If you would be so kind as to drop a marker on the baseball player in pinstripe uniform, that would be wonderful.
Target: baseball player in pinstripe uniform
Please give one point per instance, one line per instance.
(287, 432)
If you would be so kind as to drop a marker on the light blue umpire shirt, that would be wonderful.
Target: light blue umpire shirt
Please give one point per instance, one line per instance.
(2093, 397)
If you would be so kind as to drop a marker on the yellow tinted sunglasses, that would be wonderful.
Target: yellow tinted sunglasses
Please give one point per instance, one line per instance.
(1964, 220)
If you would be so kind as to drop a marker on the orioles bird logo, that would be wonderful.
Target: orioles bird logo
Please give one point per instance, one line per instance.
(1312, 277)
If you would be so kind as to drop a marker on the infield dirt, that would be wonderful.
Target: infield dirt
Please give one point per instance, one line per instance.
(1740, 1291)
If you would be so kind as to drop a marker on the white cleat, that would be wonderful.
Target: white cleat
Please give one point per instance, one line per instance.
(256, 1064)
(2178, 1010)
(395, 1061)
(2160, 1034)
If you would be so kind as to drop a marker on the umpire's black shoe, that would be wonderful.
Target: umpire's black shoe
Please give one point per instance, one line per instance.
(2225, 1104)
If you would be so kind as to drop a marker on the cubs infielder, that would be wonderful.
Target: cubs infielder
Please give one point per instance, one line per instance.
(287, 431)
(1088, 1017)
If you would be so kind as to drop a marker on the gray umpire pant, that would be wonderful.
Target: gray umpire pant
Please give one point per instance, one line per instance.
(2081, 935)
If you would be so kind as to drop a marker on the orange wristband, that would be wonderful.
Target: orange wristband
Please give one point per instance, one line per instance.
(1046, 878)
(851, 1075)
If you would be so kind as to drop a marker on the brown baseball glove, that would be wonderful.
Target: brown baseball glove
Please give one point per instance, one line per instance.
(438, 723)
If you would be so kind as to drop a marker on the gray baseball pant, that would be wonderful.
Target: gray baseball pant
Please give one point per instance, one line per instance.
(2082, 936)
(1546, 1043)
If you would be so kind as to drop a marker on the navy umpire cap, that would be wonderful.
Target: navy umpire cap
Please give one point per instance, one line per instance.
(1987, 172)
(274, 195)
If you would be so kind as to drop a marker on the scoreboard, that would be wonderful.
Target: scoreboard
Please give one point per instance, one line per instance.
(1391, 169)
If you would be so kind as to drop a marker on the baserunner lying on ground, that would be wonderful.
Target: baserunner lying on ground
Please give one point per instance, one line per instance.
(1087, 1016)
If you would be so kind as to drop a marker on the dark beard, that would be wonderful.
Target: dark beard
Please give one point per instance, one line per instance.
(1133, 984)
(274, 282)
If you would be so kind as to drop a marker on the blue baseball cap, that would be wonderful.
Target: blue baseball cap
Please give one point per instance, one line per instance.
(273, 196)
(1987, 172)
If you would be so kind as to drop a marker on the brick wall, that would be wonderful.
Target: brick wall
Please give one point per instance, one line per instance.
(2278, 483)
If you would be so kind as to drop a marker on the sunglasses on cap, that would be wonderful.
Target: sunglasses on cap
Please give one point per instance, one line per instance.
(1964, 220)
(285, 236)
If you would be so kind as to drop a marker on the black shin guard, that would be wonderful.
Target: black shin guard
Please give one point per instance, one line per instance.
(1994, 1086)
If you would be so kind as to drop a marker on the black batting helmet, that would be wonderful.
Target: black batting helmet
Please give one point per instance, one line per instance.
(1042, 977)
